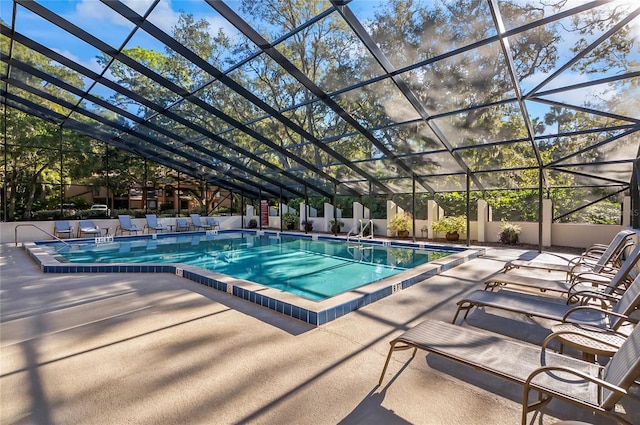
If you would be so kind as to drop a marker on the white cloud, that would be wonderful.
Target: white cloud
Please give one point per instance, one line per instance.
(91, 63)
(139, 6)
(163, 16)
(96, 12)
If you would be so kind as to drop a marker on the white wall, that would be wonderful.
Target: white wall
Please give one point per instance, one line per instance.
(582, 235)
(576, 235)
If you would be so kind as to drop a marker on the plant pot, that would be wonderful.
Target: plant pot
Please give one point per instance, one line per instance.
(510, 239)
(403, 233)
(452, 236)
(290, 226)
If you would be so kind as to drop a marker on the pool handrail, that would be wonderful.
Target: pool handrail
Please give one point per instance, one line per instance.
(39, 228)
(362, 229)
(360, 234)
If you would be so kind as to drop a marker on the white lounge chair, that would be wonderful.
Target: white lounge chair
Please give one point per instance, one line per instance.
(182, 224)
(152, 223)
(86, 227)
(197, 223)
(610, 279)
(594, 259)
(533, 306)
(61, 228)
(213, 223)
(126, 225)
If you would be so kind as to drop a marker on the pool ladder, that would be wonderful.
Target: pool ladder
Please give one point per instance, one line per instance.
(360, 235)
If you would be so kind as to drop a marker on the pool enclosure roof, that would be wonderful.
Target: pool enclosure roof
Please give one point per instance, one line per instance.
(341, 97)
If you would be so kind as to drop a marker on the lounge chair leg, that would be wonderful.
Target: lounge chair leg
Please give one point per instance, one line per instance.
(529, 407)
(455, 317)
(466, 309)
(491, 286)
(384, 369)
(391, 350)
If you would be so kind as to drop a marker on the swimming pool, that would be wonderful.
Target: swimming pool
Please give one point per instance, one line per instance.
(310, 277)
(313, 269)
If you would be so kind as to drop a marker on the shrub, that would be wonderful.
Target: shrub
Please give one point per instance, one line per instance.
(289, 219)
(336, 225)
(400, 222)
(450, 225)
(509, 233)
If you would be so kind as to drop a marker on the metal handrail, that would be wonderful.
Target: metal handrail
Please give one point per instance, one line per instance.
(360, 235)
(370, 235)
(42, 230)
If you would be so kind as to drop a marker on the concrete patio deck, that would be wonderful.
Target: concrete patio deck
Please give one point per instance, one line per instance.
(159, 349)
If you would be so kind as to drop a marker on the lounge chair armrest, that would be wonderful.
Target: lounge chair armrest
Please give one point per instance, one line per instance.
(586, 377)
(611, 292)
(568, 260)
(590, 295)
(566, 317)
(582, 260)
(595, 250)
(601, 278)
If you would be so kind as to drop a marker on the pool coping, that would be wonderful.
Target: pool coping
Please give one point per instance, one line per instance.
(315, 313)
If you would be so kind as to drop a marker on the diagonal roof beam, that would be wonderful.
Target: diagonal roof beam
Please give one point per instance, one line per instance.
(588, 110)
(588, 49)
(32, 108)
(608, 140)
(45, 77)
(258, 40)
(511, 68)
(169, 41)
(143, 101)
(596, 176)
(389, 69)
(102, 46)
(611, 79)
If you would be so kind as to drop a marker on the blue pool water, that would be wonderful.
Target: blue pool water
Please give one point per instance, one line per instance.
(308, 268)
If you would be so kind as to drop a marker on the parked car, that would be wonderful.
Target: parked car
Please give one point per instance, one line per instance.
(100, 210)
(68, 210)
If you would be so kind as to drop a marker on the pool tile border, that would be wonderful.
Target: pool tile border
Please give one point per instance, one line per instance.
(316, 313)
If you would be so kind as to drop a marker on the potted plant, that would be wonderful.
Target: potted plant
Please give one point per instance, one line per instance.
(509, 232)
(308, 225)
(253, 224)
(451, 226)
(336, 225)
(400, 224)
(289, 220)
